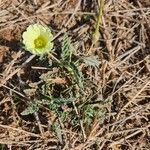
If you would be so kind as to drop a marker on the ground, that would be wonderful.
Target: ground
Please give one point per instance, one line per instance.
(88, 93)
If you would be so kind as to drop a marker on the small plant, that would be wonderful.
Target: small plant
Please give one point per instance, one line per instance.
(38, 39)
(61, 88)
(90, 112)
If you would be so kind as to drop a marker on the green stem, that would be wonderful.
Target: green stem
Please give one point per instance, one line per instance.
(96, 32)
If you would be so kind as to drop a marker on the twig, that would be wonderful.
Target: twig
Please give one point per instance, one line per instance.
(39, 123)
(19, 130)
(134, 98)
(129, 136)
(76, 9)
(81, 123)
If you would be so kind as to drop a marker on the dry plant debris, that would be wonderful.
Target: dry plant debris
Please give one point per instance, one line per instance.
(73, 99)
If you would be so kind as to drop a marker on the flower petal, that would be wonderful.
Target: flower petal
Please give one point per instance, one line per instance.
(35, 32)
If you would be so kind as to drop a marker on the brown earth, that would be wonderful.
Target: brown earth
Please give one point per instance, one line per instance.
(120, 85)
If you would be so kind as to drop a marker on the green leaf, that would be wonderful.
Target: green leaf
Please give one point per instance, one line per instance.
(32, 108)
(77, 75)
(57, 129)
(66, 49)
(91, 61)
(61, 101)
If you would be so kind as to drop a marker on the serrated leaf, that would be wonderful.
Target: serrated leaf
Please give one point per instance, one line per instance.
(32, 108)
(74, 71)
(57, 129)
(91, 61)
(66, 50)
(60, 101)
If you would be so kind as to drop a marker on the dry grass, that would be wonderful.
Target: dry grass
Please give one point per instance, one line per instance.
(120, 84)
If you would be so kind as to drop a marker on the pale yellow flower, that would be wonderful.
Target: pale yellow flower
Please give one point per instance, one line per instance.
(38, 39)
